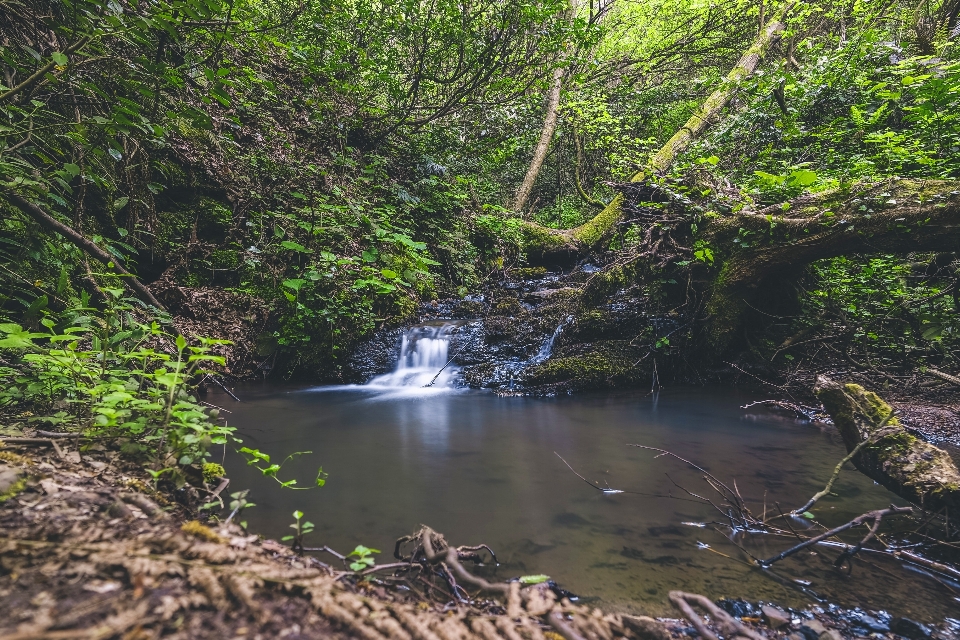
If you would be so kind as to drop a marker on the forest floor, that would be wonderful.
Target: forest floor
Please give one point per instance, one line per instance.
(89, 550)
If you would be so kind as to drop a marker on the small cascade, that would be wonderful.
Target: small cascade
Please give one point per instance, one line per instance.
(424, 351)
(547, 348)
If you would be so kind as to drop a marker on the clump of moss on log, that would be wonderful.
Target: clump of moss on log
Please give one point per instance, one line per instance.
(911, 468)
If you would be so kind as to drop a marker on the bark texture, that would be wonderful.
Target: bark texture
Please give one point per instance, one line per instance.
(546, 135)
(911, 468)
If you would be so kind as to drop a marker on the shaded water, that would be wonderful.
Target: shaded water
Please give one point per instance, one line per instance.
(481, 468)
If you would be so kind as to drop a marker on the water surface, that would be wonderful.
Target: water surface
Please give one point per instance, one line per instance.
(481, 468)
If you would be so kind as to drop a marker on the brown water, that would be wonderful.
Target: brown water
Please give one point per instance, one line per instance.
(481, 468)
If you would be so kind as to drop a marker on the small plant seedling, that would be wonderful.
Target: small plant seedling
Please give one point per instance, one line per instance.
(364, 557)
(301, 529)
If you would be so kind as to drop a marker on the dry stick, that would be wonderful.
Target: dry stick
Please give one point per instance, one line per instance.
(944, 376)
(697, 467)
(729, 626)
(450, 557)
(874, 437)
(870, 515)
(30, 441)
(222, 386)
(452, 358)
(54, 434)
(609, 491)
(51, 223)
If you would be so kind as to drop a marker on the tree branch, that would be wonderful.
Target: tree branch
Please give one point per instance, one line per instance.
(49, 222)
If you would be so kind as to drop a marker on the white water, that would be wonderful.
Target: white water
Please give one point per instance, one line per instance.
(423, 353)
(547, 348)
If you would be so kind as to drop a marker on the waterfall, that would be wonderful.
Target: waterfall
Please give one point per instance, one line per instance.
(423, 353)
(547, 347)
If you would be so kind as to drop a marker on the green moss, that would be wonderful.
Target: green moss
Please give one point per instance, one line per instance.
(15, 489)
(212, 471)
(537, 240)
(590, 233)
(872, 406)
(609, 365)
(604, 283)
(529, 273)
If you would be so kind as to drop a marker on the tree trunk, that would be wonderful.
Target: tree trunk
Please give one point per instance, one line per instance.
(547, 242)
(896, 216)
(911, 468)
(546, 135)
(85, 244)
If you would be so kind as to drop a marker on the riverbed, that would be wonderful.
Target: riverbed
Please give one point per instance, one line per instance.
(484, 469)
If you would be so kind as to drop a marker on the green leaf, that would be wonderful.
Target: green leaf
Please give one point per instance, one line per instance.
(294, 246)
(802, 178)
(536, 579)
(808, 515)
(298, 514)
(294, 283)
(388, 274)
(181, 343)
(59, 58)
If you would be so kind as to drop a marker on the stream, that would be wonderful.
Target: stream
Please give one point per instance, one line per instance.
(482, 469)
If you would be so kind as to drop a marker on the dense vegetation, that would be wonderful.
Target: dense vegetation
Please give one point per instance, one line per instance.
(291, 176)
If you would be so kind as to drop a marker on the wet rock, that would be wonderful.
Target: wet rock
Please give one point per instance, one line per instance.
(812, 630)
(775, 617)
(374, 356)
(872, 624)
(737, 608)
(910, 629)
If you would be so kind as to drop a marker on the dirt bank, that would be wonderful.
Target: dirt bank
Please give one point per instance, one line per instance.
(90, 550)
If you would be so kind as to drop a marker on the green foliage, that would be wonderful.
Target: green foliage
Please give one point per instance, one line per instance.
(261, 462)
(892, 311)
(300, 528)
(363, 558)
(104, 376)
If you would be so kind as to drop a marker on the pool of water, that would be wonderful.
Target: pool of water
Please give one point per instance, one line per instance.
(483, 468)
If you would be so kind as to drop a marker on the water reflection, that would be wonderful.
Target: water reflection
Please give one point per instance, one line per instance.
(482, 469)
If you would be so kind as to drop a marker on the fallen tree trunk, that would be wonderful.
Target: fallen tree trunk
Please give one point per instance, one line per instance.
(911, 468)
(896, 216)
(542, 243)
(85, 244)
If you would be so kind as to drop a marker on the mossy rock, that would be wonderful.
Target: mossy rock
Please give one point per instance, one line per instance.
(608, 364)
(529, 273)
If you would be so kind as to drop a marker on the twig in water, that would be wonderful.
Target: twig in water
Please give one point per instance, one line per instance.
(222, 386)
(875, 516)
(597, 487)
(452, 358)
(877, 435)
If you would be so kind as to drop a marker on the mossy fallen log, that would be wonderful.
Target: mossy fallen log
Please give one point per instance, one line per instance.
(904, 464)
